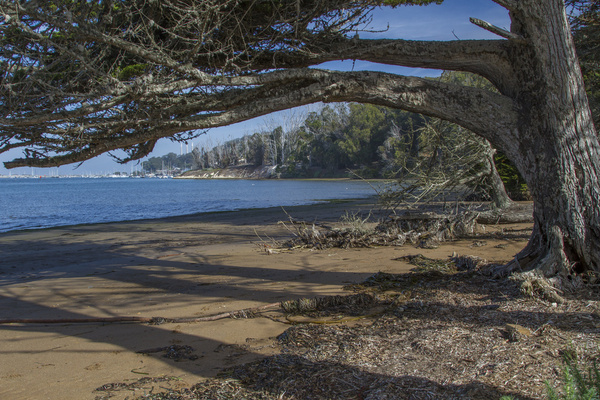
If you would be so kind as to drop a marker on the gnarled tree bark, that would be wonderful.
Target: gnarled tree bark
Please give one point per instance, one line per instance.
(557, 149)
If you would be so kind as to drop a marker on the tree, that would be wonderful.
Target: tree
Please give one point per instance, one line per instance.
(282, 135)
(83, 78)
(585, 23)
(323, 130)
(362, 135)
(453, 160)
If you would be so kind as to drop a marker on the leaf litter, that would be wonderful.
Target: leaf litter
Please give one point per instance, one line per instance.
(443, 331)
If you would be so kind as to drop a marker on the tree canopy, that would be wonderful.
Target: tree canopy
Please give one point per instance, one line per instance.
(81, 78)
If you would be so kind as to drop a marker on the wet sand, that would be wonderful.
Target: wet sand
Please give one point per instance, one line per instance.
(190, 266)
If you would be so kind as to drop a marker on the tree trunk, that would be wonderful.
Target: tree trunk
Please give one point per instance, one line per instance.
(557, 150)
(495, 186)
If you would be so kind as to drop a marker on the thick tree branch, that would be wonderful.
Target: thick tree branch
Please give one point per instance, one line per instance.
(484, 57)
(468, 106)
(491, 115)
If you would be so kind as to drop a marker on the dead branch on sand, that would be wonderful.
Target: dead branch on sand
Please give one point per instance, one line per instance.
(298, 306)
(245, 313)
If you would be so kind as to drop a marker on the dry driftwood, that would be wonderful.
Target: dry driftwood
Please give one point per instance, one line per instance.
(413, 227)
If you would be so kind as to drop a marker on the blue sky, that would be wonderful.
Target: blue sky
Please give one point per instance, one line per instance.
(448, 21)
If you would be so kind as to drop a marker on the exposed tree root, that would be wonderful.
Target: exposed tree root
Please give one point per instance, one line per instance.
(245, 313)
(544, 268)
(513, 214)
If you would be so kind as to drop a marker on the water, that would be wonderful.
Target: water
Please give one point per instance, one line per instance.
(43, 203)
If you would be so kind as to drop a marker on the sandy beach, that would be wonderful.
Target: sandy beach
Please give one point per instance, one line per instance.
(190, 266)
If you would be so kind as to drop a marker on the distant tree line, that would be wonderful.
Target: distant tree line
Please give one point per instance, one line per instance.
(169, 164)
(338, 137)
(372, 139)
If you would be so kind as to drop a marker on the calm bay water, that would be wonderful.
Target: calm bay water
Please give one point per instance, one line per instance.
(49, 202)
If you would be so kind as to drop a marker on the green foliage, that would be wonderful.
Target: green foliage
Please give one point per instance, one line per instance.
(513, 181)
(578, 384)
(339, 137)
(363, 132)
(131, 71)
(60, 36)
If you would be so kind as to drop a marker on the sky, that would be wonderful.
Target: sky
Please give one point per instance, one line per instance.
(449, 21)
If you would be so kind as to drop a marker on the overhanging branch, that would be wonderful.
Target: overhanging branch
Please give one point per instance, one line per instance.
(488, 58)
(476, 109)
(141, 84)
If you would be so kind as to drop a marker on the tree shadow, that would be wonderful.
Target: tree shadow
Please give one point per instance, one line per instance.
(492, 301)
(121, 264)
(296, 376)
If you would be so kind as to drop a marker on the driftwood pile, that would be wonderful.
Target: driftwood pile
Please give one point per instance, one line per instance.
(425, 225)
(426, 229)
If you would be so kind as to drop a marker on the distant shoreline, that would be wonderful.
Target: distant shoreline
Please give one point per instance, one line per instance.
(268, 172)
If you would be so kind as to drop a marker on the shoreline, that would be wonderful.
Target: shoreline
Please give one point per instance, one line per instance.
(174, 267)
(113, 200)
(316, 202)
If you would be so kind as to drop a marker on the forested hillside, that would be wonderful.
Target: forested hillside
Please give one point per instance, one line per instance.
(371, 140)
(169, 164)
(367, 138)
